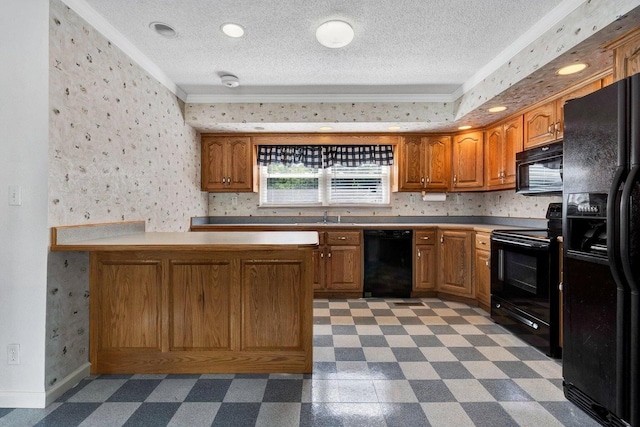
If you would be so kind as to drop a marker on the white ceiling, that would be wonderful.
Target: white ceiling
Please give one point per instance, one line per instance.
(427, 48)
(427, 57)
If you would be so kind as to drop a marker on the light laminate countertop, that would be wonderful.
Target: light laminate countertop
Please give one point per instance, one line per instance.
(227, 240)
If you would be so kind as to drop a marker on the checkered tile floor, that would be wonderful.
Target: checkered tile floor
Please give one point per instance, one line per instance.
(376, 363)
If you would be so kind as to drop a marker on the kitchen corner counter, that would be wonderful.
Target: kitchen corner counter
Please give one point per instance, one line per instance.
(180, 303)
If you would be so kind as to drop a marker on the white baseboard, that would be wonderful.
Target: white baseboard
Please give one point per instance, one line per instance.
(27, 399)
(67, 383)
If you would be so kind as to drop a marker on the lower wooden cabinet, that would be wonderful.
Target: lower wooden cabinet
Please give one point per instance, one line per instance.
(201, 311)
(338, 264)
(424, 260)
(482, 270)
(454, 262)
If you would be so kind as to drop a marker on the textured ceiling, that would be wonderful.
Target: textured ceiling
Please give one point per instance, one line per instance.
(400, 46)
(421, 65)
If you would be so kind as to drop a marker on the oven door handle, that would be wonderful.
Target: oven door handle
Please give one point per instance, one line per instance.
(529, 323)
(516, 243)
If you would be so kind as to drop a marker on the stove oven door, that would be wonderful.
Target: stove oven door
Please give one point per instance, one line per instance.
(524, 289)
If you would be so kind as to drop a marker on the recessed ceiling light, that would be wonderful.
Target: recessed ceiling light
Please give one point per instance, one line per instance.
(232, 30)
(497, 109)
(165, 30)
(334, 34)
(571, 69)
(465, 127)
(394, 128)
(326, 128)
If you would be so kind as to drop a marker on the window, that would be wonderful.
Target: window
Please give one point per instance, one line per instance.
(297, 185)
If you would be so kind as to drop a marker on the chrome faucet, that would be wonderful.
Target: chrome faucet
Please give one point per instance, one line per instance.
(324, 217)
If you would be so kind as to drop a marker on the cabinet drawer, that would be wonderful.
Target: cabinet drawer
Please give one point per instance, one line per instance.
(343, 237)
(483, 241)
(425, 237)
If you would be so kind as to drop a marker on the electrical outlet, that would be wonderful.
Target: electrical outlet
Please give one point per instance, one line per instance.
(13, 354)
(234, 201)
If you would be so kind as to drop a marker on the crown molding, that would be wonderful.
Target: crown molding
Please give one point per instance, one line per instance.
(552, 18)
(96, 20)
(317, 98)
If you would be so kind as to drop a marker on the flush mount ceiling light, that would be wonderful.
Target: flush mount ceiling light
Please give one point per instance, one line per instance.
(465, 127)
(232, 30)
(165, 30)
(497, 109)
(334, 34)
(571, 69)
(230, 80)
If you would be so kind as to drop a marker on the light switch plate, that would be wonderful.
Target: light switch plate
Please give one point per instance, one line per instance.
(15, 195)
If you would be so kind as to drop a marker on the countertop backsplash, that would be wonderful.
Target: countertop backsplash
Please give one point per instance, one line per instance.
(495, 204)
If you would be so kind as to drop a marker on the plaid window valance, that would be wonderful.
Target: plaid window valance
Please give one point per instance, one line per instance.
(309, 155)
(324, 156)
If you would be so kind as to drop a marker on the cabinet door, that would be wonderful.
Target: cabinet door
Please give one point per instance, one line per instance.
(200, 303)
(226, 164)
(493, 156)
(512, 137)
(213, 163)
(318, 260)
(626, 56)
(425, 271)
(540, 125)
(438, 162)
(482, 272)
(468, 172)
(411, 167)
(455, 263)
(239, 167)
(584, 90)
(344, 268)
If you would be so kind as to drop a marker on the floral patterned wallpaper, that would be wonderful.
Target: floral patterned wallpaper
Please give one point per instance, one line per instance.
(119, 150)
(496, 204)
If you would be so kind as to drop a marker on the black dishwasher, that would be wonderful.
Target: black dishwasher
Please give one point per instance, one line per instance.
(388, 263)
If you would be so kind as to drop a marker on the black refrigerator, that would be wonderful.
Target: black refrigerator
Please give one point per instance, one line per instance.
(601, 232)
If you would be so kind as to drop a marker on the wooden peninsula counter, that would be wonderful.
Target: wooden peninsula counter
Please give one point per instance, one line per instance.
(218, 302)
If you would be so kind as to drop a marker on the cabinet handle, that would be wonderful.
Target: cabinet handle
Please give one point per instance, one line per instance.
(229, 180)
(422, 180)
(428, 180)
(329, 255)
(342, 238)
(425, 238)
(486, 263)
(418, 253)
(442, 239)
(455, 179)
(549, 128)
(321, 254)
(483, 243)
(557, 128)
(224, 180)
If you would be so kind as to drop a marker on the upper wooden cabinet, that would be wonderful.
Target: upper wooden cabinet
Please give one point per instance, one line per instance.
(226, 163)
(626, 55)
(545, 124)
(467, 165)
(502, 142)
(425, 163)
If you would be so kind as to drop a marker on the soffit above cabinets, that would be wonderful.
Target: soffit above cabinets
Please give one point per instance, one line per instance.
(440, 59)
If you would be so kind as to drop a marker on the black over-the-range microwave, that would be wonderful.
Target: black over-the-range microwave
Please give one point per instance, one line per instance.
(539, 170)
